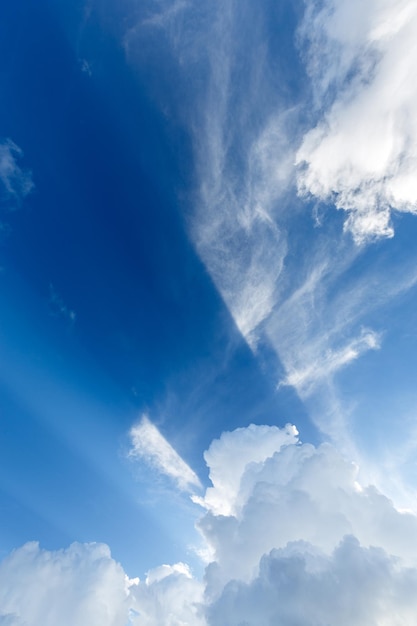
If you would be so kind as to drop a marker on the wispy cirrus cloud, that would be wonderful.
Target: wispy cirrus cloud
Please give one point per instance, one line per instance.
(332, 360)
(151, 447)
(16, 182)
(244, 165)
(290, 275)
(242, 148)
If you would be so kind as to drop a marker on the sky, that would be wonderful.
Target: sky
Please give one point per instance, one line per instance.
(208, 327)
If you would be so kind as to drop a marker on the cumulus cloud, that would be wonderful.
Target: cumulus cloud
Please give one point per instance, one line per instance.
(228, 457)
(299, 493)
(170, 596)
(150, 446)
(303, 542)
(83, 585)
(80, 585)
(16, 182)
(296, 585)
(362, 154)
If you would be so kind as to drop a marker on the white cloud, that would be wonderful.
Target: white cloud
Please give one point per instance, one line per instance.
(234, 228)
(354, 586)
(245, 263)
(307, 377)
(150, 446)
(243, 149)
(304, 543)
(165, 14)
(316, 330)
(81, 585)
(169, 596)
(301, 292)
(161, 572)
(298, 493)
(229, 456)
(362, 155)
(16, 182)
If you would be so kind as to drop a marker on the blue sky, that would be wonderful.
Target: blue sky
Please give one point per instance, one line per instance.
(207, 233)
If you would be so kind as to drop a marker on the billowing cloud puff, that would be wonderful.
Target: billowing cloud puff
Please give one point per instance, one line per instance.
(300, 493)
(294, 538)
(82, 585)
(169, 596)
(353, 586)
(229, 457)
(362, 154)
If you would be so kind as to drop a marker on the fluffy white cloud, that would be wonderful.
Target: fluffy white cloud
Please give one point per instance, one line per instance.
(354, 586)
(362, 155)
(302, 543)
(149, 445)
(229, 456)
(299, 493)
(169, 596)
(81, 585)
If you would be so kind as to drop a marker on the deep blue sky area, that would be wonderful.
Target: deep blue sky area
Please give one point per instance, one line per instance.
(106, 311)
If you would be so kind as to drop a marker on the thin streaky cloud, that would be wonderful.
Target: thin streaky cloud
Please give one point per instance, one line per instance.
(16, 182)
(331, 362)
(151, 447)
(162, 17)
(234, 227)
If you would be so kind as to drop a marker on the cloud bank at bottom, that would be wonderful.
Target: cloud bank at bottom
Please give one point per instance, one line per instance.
(292, 539)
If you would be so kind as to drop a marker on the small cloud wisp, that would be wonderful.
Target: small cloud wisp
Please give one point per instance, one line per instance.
(150, 446)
